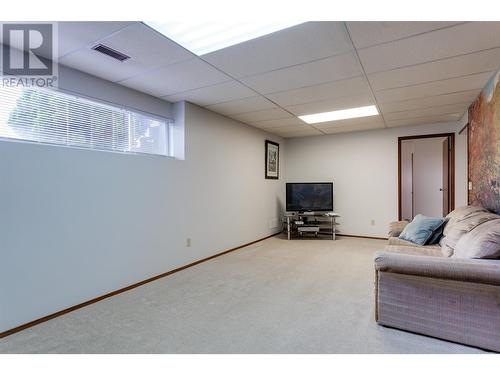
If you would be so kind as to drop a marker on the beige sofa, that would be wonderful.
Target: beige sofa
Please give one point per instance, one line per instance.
(443, 290)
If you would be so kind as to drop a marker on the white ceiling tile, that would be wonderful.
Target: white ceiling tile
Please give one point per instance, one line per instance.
(296, 45)
(176, 78)
(331, 105)
(330, 90)
(477, 62)
(301, 134)
(255, 103)
(374, 121)
(353, 128)
(440, 44)
(471, 82)
(406, 105)
(266, 124)
(366, 34)
(146, 47)
(147, 50)
(222, 92)
(100, 65)
(76, 35)
(427, 112)
(296, 133)
(313, 73)
(425, 120)
(266, 114)
(295, 127)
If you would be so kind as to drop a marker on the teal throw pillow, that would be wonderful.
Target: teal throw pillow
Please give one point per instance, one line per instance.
(421, 229)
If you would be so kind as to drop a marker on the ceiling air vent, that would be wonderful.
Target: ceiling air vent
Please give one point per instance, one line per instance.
(110, 52)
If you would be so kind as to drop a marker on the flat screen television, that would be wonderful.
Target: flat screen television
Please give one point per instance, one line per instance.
(309, 196)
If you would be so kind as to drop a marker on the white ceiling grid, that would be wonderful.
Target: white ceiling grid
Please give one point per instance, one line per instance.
(414, 72)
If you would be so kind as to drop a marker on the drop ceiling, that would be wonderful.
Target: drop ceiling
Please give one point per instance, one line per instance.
(414, 72)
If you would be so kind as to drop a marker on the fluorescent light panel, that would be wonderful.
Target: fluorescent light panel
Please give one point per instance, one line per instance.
(204, 37)
(343, 114)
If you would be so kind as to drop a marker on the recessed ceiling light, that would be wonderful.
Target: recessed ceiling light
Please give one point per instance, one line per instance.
(343, 114)
(204, 37)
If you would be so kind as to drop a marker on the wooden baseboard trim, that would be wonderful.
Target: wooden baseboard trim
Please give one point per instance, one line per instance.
(114, 293)
(356, 236)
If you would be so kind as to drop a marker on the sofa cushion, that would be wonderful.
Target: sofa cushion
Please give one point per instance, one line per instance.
(421, 229)
(399, 242)
(396, 227)
(459, 225)
(461, 213)
(482, 242)
(434, 250)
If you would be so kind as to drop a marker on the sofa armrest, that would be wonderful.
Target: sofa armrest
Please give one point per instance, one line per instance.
(472, 270)
(396, 227)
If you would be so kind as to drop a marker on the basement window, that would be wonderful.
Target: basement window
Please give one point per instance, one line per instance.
(56, 118)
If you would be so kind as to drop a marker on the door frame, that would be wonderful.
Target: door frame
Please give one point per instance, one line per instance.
(451, 170)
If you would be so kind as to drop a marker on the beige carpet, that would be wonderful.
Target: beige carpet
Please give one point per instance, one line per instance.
(277, 296)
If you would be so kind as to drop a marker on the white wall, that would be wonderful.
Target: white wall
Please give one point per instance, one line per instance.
(364, 168)
(76, 224)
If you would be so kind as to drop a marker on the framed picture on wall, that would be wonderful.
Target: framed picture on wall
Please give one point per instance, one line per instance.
(272, 160)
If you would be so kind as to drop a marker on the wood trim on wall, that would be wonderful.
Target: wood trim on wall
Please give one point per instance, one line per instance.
(451, 174)
(463, 129)
(114, 293)
(468, 153)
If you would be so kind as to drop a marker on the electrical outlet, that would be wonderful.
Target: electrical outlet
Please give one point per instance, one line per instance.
(372, 222)
(188, 242)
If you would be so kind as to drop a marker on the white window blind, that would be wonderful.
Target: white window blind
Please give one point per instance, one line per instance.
(46, 116)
